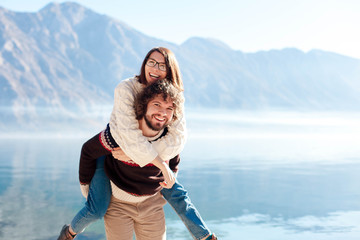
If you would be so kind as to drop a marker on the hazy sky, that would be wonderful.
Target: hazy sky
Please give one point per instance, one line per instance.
(246, 25)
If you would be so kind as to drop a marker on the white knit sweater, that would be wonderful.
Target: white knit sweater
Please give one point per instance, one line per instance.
(125, 130)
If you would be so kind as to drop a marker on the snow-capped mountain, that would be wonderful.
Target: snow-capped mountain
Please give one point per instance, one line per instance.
(68, 59)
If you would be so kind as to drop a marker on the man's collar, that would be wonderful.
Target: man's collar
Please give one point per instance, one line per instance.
(161, 133)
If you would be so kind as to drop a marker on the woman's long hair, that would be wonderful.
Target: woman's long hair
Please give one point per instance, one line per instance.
(172, 68)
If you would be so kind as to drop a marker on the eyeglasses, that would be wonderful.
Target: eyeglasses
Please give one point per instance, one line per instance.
(152, 63)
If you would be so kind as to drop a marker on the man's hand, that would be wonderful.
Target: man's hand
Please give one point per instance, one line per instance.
(85, 189)
(118, 153)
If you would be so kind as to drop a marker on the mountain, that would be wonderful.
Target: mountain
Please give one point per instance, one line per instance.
(64, 55)
(287, 78)
(67, 60)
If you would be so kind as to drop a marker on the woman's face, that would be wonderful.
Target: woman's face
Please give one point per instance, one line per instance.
(155, 62)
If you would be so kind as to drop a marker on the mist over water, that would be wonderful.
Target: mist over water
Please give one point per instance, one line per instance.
(252, 175)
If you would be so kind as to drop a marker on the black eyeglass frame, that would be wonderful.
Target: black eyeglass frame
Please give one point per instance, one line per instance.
(156, 63)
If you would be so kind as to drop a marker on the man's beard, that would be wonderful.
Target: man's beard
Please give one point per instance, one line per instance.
(154, 127)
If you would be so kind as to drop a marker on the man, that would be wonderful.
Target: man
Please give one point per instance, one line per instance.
(136, 204)
(156, 107)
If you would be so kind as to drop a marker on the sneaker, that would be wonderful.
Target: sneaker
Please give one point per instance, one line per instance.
(65, 234)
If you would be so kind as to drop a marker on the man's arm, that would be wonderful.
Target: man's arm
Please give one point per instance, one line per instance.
(91, 150)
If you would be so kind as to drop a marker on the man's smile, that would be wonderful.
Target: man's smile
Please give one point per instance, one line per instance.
(160, 119)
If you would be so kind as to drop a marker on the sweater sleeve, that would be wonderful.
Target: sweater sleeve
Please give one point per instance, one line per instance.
(124, 127)
(94, 148)
(125, 130)
(174, 163)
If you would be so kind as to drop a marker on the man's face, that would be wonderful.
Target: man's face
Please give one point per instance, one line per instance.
(159, 113)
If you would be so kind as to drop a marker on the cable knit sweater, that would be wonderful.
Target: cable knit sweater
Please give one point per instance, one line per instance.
(129, 181)
(125, 130)
(132, 183)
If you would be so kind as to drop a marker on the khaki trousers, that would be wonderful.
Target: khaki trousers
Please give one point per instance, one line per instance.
(146, 219)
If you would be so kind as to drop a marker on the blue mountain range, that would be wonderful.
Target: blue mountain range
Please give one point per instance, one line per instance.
(67, 59)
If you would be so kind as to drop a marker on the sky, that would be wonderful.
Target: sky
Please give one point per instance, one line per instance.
(248, 26)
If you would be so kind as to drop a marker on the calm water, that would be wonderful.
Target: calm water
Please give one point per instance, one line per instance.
(251, 175)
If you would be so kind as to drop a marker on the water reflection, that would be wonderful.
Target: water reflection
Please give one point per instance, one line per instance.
(249, 179)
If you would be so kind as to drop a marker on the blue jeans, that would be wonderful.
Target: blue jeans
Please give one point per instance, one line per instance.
(100, 194)
(98, 199)
(180, 201)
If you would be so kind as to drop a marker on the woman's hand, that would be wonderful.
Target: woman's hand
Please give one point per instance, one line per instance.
(166, 171)
(158, 162)
(119, 154)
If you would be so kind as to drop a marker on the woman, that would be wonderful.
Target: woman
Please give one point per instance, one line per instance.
(123, 131)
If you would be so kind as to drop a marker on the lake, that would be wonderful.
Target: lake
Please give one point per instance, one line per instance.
(252, 175)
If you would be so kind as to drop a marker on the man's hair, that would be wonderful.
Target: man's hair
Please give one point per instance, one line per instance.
(172, 67)
(163, 88)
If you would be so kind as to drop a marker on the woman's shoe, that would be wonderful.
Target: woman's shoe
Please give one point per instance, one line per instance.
(65, 234)
(212, 237)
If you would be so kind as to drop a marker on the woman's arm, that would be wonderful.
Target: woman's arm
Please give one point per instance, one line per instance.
(125, 129)
(173, 142)
(167, 170)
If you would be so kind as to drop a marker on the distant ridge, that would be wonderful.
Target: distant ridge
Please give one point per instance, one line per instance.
(70, 58)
